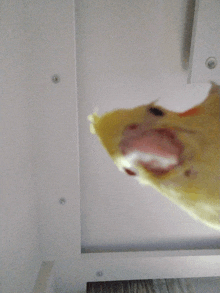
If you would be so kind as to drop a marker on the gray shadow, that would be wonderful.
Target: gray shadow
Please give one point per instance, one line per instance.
(187, 33)
(158, 245)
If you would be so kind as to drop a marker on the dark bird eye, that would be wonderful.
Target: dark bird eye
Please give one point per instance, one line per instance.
(156, 111)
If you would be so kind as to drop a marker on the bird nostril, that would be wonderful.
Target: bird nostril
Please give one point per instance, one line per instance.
(132, 126)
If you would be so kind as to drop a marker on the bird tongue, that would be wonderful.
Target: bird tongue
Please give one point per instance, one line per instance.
(157, 150)
(157, 142)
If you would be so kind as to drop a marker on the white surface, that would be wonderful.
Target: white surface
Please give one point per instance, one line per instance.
(39, 158)
(205, 41)
(45, 279)
(20, 246)
(95, 267)
(128, 54)
(140, 62)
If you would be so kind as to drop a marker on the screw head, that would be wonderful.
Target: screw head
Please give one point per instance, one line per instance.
(55, 78)
(62, 201)
(211, 62)
(99, 274)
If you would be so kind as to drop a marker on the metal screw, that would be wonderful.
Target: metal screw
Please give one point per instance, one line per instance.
(55, 78)
(211, 62)
(62, 201)
(99, 274)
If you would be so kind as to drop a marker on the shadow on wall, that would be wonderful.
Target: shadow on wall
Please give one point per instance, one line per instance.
(157, 245)
(187, 33)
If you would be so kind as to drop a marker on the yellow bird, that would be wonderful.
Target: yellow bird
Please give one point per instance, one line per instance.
(176, 153)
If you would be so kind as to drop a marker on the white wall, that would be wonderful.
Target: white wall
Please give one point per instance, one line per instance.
(128, 53)
(39, 164)
(20, 254)
(131, 53)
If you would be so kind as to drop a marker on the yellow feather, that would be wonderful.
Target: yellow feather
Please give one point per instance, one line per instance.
(197, 192)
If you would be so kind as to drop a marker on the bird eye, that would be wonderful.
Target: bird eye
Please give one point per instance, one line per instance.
(156, 111)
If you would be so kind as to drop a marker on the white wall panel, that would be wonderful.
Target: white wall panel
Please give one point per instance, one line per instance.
(205, 43)
(128, 54)
(20, 249)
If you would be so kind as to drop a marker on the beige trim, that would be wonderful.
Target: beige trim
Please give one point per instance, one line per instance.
(44, 280)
